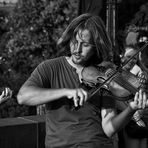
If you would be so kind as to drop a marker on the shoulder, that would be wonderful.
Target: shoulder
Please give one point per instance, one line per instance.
(52, 62)
(46, 70)
(55, 60)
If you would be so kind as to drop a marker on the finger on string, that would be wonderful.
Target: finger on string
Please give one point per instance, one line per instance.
(81, 101)
(144, 100)
(139, 123)
(75, 101)
(140, 99)
(81, 97)
(6, 91)
(136, 97)
(86, 96)
(142, 123)
(3, 93)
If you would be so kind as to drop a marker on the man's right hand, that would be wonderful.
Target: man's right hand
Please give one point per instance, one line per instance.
(79, 96)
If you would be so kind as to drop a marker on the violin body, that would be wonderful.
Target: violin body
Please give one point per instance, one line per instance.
(122, 85)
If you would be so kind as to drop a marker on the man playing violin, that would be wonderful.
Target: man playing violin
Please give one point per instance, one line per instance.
(72, 118)
(136, 131)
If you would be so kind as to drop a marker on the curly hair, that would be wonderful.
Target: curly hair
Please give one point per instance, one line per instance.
(96, 27)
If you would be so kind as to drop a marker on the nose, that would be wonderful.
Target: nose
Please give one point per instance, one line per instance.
(78, 47)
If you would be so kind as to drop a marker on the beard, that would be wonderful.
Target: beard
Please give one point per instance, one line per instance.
(77, 59)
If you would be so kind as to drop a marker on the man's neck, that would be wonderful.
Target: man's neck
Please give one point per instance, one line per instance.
(78, 67)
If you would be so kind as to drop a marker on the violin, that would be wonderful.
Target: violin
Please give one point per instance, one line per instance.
(122, 84)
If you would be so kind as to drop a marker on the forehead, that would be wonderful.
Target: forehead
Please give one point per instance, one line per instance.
(84, 35)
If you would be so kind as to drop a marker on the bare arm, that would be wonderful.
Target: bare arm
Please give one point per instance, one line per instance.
(31, 95)
(112, 123)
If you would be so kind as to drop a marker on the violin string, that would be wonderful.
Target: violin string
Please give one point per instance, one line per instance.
(125, 84)
(115, 74)
(122, 81)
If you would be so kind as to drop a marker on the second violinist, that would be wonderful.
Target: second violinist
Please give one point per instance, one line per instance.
(57, 83)
(136, 132)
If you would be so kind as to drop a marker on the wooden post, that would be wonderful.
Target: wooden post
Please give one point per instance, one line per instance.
(111, 19)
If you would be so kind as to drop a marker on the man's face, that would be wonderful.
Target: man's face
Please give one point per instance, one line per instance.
(81, 47)
(128, 54)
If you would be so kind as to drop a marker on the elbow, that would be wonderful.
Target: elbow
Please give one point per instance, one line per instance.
(26, 96)
(109, 130)
(22, 96)
(109, 134)
(20, 99)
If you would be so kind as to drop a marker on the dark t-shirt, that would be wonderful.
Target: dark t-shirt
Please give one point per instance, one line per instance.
(66, 127)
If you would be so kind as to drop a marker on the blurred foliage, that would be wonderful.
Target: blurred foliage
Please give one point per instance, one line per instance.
(140, 19)
(31, 31)
(28, 35)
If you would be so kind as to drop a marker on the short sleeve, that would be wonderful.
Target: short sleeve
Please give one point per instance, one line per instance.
(38, 77)
(108, 102)
(107, 99)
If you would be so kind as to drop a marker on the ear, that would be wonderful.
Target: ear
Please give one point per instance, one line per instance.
(121, 55)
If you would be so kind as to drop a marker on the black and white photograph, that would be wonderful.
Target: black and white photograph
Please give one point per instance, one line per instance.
(73, 74)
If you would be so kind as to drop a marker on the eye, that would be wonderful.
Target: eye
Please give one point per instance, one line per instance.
(86, 44)
(74, 41)
(129, 56)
